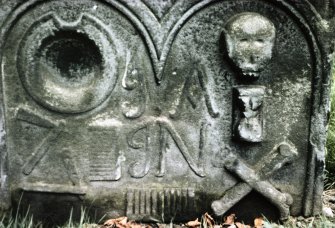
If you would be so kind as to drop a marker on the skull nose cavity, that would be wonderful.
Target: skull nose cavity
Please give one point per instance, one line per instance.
(252, 59)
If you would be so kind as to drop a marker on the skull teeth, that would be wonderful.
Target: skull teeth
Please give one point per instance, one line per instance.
(251, 74)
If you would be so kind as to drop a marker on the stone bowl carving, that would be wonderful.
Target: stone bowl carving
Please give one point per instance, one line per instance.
(68, 67)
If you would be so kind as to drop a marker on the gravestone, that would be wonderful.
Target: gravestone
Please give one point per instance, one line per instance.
(164, 110)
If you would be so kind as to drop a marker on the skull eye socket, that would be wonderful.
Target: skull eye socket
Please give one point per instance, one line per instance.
(260, 40)
(244, 40)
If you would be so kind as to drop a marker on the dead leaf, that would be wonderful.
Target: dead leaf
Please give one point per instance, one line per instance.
(208, 220)
(229, 220)
(135, 225)
(120, 222)
(259, 222)
(123, 221)
(194, 223)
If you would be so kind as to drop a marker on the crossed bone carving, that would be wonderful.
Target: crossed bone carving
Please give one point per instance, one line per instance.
(254, 179)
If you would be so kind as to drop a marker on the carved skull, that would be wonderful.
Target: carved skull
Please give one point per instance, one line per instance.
(250, 40)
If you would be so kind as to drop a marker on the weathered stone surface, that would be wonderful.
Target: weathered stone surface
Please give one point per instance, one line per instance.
(163, 110)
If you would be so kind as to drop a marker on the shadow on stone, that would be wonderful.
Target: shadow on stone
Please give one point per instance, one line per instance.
(51, 209)
(252, 206)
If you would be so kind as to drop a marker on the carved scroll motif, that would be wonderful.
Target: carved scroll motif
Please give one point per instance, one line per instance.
(163, 151)
(140, 168)
(248, 121)
(133, 81)
(198, 170)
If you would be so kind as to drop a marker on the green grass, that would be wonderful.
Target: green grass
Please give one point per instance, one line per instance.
(10, 220)
(27, 221)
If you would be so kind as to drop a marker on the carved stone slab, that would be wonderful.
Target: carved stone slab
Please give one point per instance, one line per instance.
(163, 110)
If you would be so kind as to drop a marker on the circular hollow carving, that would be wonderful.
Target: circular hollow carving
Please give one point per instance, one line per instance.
(70, 58)
(68, 67)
